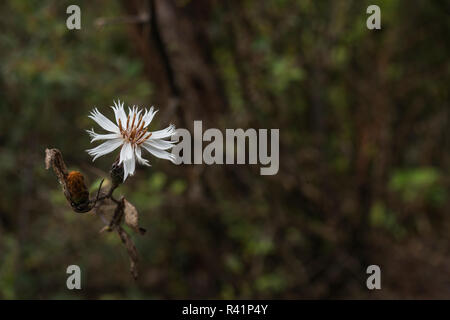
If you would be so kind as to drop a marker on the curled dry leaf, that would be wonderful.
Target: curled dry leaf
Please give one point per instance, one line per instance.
(132, 217)
(54, 159)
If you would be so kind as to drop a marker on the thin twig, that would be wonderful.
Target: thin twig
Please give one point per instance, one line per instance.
(54, 159)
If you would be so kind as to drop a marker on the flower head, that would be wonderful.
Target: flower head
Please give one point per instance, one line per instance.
(131, 134)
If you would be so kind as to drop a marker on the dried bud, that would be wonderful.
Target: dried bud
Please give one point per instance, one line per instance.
(72, 183)
(77, 189)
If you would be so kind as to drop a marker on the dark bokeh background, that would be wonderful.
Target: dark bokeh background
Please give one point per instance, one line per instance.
(364, 147)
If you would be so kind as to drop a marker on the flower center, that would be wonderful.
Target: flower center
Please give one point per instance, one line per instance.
(134, 132)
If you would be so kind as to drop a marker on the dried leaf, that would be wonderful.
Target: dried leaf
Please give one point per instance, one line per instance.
(53, 158)
(132, 217)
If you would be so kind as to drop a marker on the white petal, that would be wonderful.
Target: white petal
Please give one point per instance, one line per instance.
(119, 113)
(129, 166)
(164, 133)
(131, 112)
(138, 114)
(148, 116)
(126, 169)
(126, 153)
(96, 136)
(103, 122)
(160, 144)
(132, 165)
(139, 158)
(105, 148)
(158, 153)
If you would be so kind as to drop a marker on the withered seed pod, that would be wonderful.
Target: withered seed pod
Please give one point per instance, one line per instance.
(78, 191)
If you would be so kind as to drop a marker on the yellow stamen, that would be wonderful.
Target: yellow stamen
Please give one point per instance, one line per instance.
(120, 127)
(143, 140)
(141, 134)
(139, 122)
(134, 118)
(132, 134)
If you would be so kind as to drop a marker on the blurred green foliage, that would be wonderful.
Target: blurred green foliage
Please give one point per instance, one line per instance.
(419, 184)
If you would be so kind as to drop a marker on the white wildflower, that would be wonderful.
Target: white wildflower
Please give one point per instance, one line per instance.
(131, 133)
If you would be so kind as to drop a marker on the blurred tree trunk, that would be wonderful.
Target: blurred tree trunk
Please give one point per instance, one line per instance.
(175, 48)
